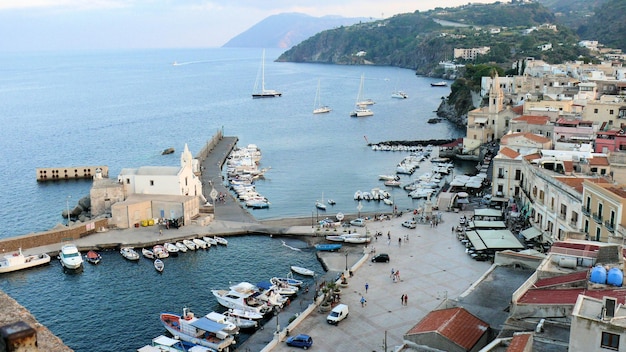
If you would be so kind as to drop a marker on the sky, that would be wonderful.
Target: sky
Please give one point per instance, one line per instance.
(34, 25)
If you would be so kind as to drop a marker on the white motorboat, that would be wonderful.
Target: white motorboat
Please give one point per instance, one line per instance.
(221, 240)
(70, 257)
(242, 322)
(242, 296)
(199, 331)
(335, 238)
(283, 290)
(171, 248)
(200, 243)
(189, 243)
(231, 328)
(358, 195)
(163, 343)
(356, 239)
(210, 241)
(392, 183)
(245, 313)
(19, 261)
(302, 271)
(399, 95)
(160, 252)
(319, 205)
(389, 177)
(147, 253)
(181, 247)
(129, 253)
(361, 111)
(388, 201)
(159, 265)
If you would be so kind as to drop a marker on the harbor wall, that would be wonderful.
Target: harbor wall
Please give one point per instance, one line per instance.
(70, 173)
(210, 144)
(55, 235)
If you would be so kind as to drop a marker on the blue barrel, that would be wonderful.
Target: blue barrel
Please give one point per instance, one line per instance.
(598, 275)
(615, 277)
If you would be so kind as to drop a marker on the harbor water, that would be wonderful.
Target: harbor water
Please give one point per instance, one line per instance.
(123, 108)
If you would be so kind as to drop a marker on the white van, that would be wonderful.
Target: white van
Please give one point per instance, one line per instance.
(339, 313)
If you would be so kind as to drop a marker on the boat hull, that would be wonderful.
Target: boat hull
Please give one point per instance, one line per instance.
(24, 262)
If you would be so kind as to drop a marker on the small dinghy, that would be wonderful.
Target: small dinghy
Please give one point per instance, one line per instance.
(147, 253)
(159, 265)
(302, 271)
(93, 257)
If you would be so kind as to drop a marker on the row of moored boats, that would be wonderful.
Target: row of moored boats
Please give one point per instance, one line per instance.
(242, 171)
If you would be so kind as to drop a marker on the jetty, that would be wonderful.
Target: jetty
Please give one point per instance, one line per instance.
(70, 172)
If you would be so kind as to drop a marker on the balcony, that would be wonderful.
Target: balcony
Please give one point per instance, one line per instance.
(500, 176)
(586, 211)
(597, 218)
(573, 224)
(562, 216)
(609, 226)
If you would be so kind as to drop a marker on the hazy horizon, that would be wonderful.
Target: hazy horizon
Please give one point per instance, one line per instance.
(33, 25)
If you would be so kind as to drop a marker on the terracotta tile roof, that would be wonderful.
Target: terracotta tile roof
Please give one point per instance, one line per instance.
(532, 156)
(533, 119)
(577, 182)
(568, 165)
(509, 153)
(568, 296)
(456, 324)
(518, 109)
(519, 342)
(599, 161)
(561, 280)
(536, 138)
(620, 192)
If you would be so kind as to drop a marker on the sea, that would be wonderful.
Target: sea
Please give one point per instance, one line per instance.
(122, 108)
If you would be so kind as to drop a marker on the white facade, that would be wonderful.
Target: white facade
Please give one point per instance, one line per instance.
(163, 180)
(597, 325)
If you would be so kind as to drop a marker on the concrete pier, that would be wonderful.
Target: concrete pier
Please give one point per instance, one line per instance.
(70, 173)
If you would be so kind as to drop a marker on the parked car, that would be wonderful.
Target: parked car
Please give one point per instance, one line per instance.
(381, 258)
(339, 313)
(411, 224)
(358, 222)
(301, 340)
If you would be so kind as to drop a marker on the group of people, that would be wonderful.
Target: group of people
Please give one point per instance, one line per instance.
(395, 275)
(404, 299)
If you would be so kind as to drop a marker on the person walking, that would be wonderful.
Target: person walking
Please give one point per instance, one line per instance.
(402, 299)
(363, 301)
(399, 241)
(406, 299)
(366, 287)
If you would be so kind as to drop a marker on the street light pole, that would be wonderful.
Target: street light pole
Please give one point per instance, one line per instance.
(67, 205)
(346, 253)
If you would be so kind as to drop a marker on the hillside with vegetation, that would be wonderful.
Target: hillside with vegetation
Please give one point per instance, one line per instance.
(420, 40)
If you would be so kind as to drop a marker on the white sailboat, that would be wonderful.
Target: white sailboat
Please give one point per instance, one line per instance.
(263, 93)
(361, 109)
(318, 108)
(320, 205)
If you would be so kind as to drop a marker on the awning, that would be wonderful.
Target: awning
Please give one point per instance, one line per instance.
(480, 120)
(477, 242)
(530, 233)
(208, 325)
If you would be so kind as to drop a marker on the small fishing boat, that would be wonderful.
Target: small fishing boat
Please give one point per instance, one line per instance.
(210, 241)
(220, 240)
(328, 247)
(241, 322)
(289, 280)
(302, 271)
(319, 205)
(147, 253)
(18, 261)
(129, 253)
(439, 84)
(181, 247)
(189, 243)
(249, 314)
(331, 202)
(335, 238)
(171, 249)
(93, 257)
(159, 265)
(160, 252)
(200, 243)
(231, 328)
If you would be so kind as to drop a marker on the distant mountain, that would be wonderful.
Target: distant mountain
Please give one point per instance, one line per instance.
(288, 29)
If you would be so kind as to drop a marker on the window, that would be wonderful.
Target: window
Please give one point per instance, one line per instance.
(128, 181)
(595, 111)
(610, 341)
(598, 234)
(518, 174)
(611, 112)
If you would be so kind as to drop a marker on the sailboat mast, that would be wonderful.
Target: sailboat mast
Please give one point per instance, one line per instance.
(263, 73)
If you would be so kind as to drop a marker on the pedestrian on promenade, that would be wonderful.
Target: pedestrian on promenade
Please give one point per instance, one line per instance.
(363, 301)
(389, 235)
(406, 299)
(402, 299)
(160, 232)
(366, 287)
(392, 272)
(399, 241)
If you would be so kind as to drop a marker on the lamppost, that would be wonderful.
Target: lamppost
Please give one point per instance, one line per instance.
(277, 314)
(346, 253)
(359, 207)
(67, 206)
